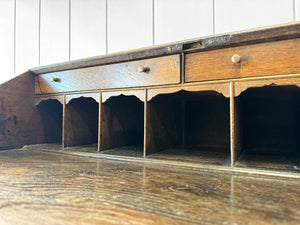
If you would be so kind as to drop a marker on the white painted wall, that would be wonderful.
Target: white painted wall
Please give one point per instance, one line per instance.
(129, 24)
(54, 31)
(297, 9)
(7, 39)
(41, 32)
(27, 35)
(176, 20)
(248, 14)
(88, 28)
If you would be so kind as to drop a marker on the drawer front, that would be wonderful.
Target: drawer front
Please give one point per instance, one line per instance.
(155, 71)
(273, 58)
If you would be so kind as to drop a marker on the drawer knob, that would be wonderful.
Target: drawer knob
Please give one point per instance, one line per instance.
(236, 58)
(55, 79)
(143, 69)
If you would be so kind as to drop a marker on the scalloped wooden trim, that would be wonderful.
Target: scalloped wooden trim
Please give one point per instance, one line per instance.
(39, 99)
(95, 96)
(241, 86)
(222, 88)
(140, 94)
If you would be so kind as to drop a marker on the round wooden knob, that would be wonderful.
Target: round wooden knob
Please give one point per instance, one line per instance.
(236, 58)
(143, 69)
(55, 79)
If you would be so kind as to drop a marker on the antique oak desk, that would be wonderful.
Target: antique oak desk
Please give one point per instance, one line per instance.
(226, 103)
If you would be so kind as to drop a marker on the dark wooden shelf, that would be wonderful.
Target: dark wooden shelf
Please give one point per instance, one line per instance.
(204, 156)
(130, 150)
(228, 96)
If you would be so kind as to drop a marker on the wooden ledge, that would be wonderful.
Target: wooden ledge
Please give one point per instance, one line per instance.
(261, 35)
(189, 165)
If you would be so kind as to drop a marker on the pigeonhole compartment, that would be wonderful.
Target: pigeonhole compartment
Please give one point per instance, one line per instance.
(122, 126)
(51, 117)
(270, 128)
(189, 126)
(81, 124)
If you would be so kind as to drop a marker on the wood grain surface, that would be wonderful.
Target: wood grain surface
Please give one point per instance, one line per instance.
(21, 122)
(163, 124)
(41, 98)
(51, 114)
(188, 119)
(242, 85)
(270, 121)
(122, 122)
(93, 95)
(235, 124)
(140, 94)
(162, 70)
(81, 122)
(191, 122)
(273, 58)
(203, 156)
(39, 187)
(222, 88)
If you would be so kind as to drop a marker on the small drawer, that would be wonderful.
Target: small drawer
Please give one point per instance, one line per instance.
(155, 71)
(272, 58)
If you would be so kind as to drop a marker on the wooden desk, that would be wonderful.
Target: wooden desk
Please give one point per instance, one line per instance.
(43, 187)
(228, 102)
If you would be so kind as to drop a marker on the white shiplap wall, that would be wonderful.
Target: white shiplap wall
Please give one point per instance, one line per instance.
(26, 35)
(182, 19)
(54, 31)
(40, 32)
(88, 28)
(248, 14)
(297, 10)
(129, 24)
(7, 27)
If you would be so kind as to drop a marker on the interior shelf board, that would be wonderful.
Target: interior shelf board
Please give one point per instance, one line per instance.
(128, 150)
(202, 155)
(270, 161)
(82, 148)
